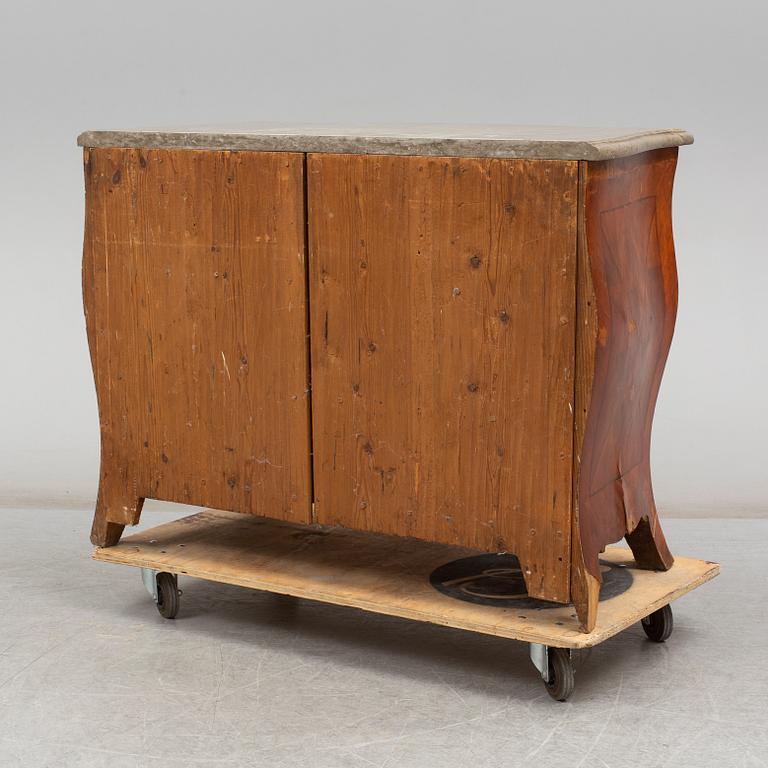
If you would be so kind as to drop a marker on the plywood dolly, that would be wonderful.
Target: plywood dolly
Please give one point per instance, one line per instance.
(424, 581)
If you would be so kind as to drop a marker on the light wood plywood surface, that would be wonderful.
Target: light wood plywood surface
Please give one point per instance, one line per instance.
(383, 574)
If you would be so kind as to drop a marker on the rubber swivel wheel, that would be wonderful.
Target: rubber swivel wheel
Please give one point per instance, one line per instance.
(167, 595)
(658, 626)
(561, 675)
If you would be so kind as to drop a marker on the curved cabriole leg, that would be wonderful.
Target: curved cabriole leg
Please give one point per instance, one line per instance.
(626, 307)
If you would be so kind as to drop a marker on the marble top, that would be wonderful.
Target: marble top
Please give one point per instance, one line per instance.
(439, 139)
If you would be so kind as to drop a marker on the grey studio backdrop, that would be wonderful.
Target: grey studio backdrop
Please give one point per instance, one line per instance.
(67, 67)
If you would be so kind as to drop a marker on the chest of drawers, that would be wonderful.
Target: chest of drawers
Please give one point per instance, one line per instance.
(452, 333)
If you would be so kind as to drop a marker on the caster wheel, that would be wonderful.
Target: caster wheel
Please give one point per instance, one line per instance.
(168, 595)
(658, 626)
(561, 675)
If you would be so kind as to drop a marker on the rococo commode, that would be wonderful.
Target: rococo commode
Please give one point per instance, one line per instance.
(449, 333)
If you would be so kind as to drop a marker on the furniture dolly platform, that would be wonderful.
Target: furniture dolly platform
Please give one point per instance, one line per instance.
(452, 586)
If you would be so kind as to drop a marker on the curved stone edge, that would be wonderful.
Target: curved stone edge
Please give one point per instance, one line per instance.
(604, 149)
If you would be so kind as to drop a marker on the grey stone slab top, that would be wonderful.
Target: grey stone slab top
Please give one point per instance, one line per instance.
(439, 139)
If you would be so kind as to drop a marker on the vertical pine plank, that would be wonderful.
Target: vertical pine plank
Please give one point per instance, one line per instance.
(443, 319)
(194, 285)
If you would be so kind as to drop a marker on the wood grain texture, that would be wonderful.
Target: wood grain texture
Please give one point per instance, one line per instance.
(585, 586)
(627, 301)
(442, 297)
(382, 574)
(194, 292)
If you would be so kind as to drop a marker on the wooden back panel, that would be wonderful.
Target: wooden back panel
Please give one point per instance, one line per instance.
(194, 286)
(442, 294)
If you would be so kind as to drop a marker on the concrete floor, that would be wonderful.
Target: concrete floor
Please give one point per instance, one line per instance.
(91, 675)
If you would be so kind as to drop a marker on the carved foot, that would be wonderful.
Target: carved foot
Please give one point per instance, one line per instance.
(649, 546)
(113, 513)
(585, 593)
(104, 533)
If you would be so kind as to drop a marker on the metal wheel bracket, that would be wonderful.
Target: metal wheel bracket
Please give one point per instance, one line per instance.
(540, 658)
(149, 577)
